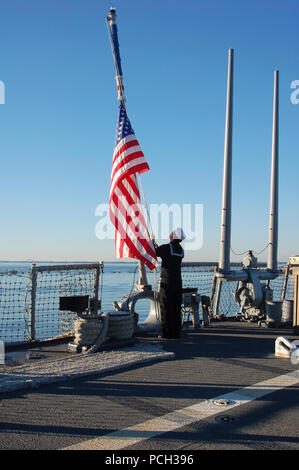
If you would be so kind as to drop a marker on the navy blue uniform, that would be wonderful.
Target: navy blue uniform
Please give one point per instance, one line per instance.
(170, 292)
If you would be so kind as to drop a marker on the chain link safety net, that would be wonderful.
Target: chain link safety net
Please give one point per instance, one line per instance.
(198, 276)
(29, 300)
(223, 303)
(29, 303)
(13, 316)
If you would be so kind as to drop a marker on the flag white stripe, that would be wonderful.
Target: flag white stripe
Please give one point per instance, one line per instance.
(131, 213)
(117, 241)
(124, 201)
(143, 232)
(126, 167)
(122, 142)
(128, 186)
(125, 250)
(124, 154)
(140, 248)
(131, 235)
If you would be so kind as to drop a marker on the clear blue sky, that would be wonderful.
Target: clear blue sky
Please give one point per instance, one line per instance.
(59, 118)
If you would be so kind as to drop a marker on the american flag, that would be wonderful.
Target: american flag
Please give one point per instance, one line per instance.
(132, 239)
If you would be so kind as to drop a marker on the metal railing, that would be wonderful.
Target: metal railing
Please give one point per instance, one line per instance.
(221, 293)
(29, 300)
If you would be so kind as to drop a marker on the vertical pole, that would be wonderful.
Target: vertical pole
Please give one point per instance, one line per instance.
(96, 281)
(273, 221)
(113, 34)
(33, 277)
(285, 281)
(142, 275)
(224, 262)
(214, 285)
(295, 271)
(218, 295)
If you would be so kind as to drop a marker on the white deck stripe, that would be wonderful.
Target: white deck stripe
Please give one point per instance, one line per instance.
(154, 427)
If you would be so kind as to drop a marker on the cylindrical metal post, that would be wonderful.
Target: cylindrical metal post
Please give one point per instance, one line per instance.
(225, 236)
(294, 266)
(273, 221)
(33, 278)
(96, 281)
(285, 281)
(214, 285)
(142, 275)
(218, 295)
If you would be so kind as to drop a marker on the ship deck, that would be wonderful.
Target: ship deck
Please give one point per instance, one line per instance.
(215, 388)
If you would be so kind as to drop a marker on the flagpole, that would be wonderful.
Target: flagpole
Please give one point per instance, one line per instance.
(224, 260)
(273, 220)
(113, 35)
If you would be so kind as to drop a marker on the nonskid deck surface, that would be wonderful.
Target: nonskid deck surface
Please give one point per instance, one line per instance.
(214, 388)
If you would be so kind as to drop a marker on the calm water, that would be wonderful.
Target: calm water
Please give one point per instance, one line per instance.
(118, 280)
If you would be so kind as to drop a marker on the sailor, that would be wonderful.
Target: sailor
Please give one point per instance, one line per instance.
(250, 261)
(170, 292)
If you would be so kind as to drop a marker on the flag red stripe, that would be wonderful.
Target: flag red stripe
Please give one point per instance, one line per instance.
(123, 233)
(131, 234)
(125, 146)
(127, 159)
(124, 236)
(134, 253)
(135, 169)
(131, 201)
(130, 221)
(131, 180)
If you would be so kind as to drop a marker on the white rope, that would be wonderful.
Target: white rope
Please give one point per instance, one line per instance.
(146, 206)
(121, 325)
(151, 236)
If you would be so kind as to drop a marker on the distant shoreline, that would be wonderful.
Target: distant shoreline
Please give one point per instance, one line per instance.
(65, 262)
(114, 262)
